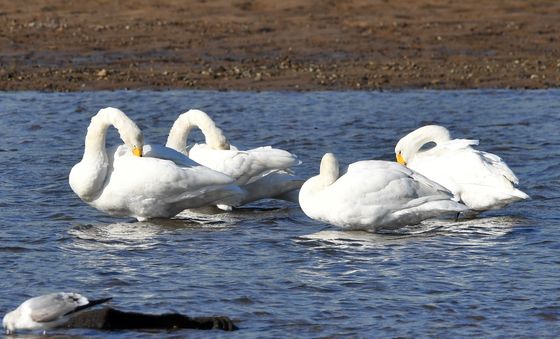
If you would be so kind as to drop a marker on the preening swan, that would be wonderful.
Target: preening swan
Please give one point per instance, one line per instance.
(47, 311)
(251, 169)
(373, 195)
(159, 184)
(481, 180)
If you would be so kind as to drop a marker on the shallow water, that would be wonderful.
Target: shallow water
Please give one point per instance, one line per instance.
(269, 267)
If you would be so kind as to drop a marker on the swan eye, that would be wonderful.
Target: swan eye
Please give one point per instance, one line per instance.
(400, 159)
(137, 151)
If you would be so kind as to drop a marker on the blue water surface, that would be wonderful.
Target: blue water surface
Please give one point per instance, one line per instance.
(277, 273)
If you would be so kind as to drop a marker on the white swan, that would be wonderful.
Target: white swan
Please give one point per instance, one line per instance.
(481, 180)
(47, 311)
(373, 195)
(263, 172)
(158, 185)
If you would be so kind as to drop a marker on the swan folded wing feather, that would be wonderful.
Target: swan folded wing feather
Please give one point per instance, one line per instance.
(244, 166)
(457, 144)
(395, 189)
(166, 153)
(468, 166)
(354, 200)
(393, 171)
(272, 185)
(496, 164)
(161, 179)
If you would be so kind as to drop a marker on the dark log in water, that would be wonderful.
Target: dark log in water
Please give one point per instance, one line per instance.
(112, 319)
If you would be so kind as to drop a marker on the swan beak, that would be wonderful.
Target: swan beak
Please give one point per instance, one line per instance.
(400, 159)
(137, 151)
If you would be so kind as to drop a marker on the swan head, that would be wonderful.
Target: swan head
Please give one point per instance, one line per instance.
(409, 145)
(134, 139)
(217, 140)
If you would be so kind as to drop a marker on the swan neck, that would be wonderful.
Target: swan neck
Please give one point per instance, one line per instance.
(180, 130)
(100, 123)
(179, 134)
(95, 138)
(329, 170)
(424, 135)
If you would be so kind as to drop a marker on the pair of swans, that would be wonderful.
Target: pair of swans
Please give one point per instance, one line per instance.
(154, 181)
(450, 177)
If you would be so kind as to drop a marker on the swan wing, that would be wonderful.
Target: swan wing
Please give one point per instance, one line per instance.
(274, 185)
(244, 166)
(166, 153)
(457, 144)
(495, 164)
(480, 179)
(465, 165)
(149, 187)
(377, 194)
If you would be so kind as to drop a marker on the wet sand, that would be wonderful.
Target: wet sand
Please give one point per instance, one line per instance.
(278, 45)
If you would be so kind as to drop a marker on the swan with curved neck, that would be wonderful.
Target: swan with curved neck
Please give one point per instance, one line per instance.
(161, 183)
(88, 176)
(481, 180)
(195, 118)
(263, 172)
(373, 195)
(407, 148)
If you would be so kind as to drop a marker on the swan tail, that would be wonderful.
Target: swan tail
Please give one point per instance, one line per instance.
(432, 209)
(275, 158)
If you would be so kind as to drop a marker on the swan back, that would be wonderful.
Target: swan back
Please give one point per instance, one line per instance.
(408, 146)
(373, 194)
(328, 174)
(186, 122)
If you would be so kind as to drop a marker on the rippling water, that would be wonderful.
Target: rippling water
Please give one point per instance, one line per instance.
(269, 267)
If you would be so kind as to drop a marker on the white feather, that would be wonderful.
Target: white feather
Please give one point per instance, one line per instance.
(373, 195)
(481, 180)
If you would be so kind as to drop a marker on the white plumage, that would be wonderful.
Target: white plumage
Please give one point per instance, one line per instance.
(481, 180)
(373, 195)
(47, 311)
(248, 167)
(160, 184)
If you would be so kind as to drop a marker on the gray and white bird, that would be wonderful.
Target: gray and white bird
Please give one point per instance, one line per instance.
(47, 311)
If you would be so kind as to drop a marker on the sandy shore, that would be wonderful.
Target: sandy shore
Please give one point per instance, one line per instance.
(63, 45)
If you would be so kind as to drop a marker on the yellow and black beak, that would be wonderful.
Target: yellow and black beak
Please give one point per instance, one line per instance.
(137, 151)
(400, 159)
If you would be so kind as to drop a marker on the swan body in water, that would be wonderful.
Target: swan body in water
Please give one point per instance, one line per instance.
(143, 181)
(47, 311)
(373, 195)
(263, 172)
(481, 180)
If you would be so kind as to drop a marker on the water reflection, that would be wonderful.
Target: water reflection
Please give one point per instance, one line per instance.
(147, 234)
(214, 216)
(117, 236)
(479, 231)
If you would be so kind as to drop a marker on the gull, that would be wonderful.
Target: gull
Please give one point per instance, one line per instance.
(47, 311)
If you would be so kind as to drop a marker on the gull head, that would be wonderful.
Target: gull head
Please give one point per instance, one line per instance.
(8, 322)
